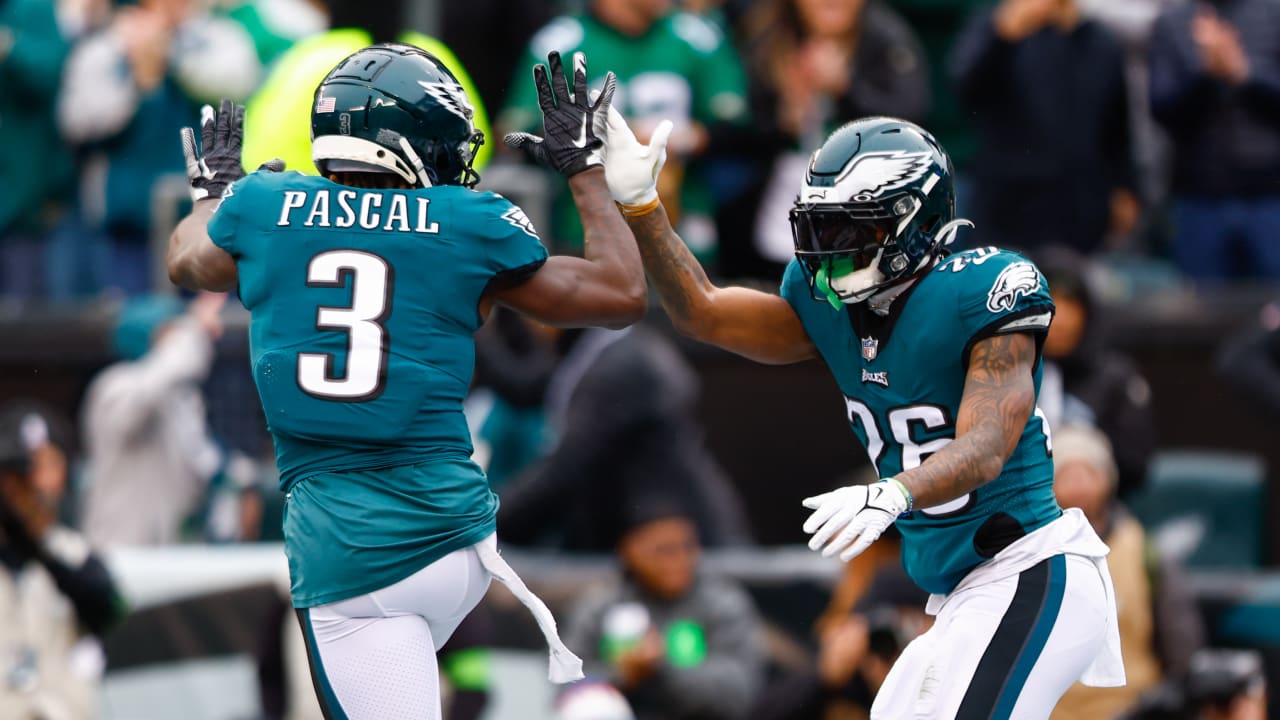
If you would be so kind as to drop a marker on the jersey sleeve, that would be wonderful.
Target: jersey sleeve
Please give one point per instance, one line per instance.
(512, 245)
(1003, 293)
(225, 226)
(225, 221)
(795, 287)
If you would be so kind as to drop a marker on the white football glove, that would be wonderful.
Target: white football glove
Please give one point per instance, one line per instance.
(631, 169)
(855, 514)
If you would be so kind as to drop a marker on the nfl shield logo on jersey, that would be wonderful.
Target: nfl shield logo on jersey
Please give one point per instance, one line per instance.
(870, 346)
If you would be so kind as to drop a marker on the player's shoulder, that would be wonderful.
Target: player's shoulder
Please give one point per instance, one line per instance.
(985, 268)
(1001, 281)
(490, 213)
(265, 181)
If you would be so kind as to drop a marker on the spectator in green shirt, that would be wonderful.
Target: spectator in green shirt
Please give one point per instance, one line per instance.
(669, 64)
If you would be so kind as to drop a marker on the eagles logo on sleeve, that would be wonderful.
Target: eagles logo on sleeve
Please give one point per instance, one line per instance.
(518, 219)
(1015, 281)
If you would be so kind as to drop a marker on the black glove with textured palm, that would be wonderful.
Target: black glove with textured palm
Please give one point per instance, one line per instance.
(216, 164)
(571, 142)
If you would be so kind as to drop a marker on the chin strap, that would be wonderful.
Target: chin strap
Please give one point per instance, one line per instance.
(947, 233)
(416, 162)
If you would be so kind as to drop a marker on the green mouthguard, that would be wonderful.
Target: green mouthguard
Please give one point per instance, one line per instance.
(832, 268)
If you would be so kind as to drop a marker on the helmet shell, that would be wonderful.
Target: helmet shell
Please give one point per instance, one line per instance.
(883, 171)
(382, 94)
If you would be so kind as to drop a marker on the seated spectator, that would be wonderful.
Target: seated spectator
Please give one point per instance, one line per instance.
(1215, 86)
(1047, 96)
(56, 595)
(1159, 623)
(1086, 380)
(855, 652)
(149, 454)
(813, 65)
(1227, 685)
(622, 405)
(126, 90)
(677, 643)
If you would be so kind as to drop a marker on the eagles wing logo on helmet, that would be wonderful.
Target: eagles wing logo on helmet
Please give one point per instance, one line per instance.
(451, 96)
(1017, 280)
(875, 173)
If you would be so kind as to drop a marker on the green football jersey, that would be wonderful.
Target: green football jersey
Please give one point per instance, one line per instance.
(683, 68)
(363, 305)
(903, 376)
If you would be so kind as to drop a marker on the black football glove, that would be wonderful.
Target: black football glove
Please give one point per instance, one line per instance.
(571, 140)
(216, 164)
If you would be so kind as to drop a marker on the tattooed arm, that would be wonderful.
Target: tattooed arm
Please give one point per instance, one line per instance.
(757, 325)
(999, 397)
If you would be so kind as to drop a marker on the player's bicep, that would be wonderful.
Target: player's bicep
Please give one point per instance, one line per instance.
(999, 389)
(758, 325)
(194, 261)
(568, 291)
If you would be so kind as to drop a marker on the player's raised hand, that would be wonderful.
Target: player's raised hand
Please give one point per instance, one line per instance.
(215, 164)
(631, 169)
(570, 142)
(851, 518)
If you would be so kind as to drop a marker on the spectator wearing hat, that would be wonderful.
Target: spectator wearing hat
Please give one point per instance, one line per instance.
(56, 596)
(677, 643)
(855, 651)
(149, 452)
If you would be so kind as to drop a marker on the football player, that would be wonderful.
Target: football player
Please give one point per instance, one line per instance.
(938, 359)
(365, 287)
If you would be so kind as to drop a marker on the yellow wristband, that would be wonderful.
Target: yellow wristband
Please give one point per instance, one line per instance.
(637, 210)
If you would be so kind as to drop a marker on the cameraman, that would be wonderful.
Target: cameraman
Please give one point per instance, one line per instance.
(56, 597)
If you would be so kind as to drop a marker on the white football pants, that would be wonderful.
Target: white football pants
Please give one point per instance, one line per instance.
(1004, 650)
(374, 655)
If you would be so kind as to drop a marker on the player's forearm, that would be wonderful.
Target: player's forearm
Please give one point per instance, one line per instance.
(190, 263)
(964, 465)
(607, 242)
(999, 397)
(678, 276)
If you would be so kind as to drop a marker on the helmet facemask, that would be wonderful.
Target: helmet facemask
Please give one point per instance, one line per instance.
(852, 250)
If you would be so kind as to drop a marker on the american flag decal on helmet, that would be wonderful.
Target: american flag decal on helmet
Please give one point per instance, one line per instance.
(326, 104)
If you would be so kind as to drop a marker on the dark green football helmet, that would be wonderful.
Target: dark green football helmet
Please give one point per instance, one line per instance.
(395, 108)
(877, 205)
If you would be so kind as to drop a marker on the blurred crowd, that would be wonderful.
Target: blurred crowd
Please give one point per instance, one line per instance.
(1142, 128)
(1081, 130)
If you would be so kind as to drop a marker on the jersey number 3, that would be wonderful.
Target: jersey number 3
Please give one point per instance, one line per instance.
(371, 282)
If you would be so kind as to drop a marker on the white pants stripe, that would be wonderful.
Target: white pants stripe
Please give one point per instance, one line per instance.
(948, 669)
